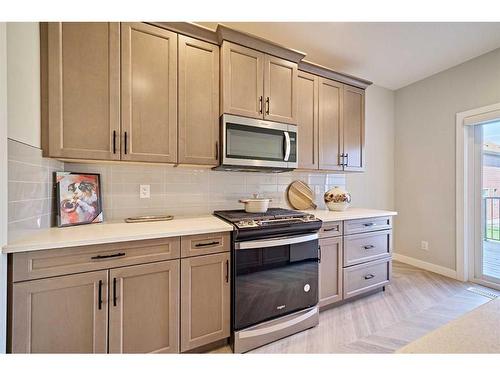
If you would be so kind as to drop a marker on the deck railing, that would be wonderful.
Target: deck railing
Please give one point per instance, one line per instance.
(492, 218)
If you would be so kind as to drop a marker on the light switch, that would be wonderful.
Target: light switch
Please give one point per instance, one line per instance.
(145, 191)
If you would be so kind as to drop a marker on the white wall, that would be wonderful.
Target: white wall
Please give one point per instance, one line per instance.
(3, 184)
(23, 65)
(425, 154)
(375, 187)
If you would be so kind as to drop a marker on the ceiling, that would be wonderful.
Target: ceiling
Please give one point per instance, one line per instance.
(392, 55)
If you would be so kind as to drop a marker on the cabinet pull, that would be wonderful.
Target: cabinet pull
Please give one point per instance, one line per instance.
(108, 256)
(319, 254)
(99, 302)
(267, 105)
(330, 229)
(260, 104)
(341, 160)
(125, 145)
(216, 150)
(227, 271)
(369, 276)
(369, 224)
(368, 247)
(347, 160)
(114, 141)
(207, 244)
(114, 291)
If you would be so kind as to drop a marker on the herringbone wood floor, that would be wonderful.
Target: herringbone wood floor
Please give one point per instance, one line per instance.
(416, 303)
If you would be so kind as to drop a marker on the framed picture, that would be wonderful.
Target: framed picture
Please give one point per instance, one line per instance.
(78, 198)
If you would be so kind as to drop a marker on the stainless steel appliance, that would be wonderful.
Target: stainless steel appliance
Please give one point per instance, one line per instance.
(257, 145)
(275, 259)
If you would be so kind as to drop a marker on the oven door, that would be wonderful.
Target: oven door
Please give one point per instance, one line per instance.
(274, 277)
(258, 143)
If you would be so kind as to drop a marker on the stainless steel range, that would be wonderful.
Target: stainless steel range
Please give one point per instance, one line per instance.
(275, 259)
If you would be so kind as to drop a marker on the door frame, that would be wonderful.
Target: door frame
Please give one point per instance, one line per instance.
(465, 187)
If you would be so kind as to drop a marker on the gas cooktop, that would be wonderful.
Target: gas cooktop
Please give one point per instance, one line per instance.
(273, 217)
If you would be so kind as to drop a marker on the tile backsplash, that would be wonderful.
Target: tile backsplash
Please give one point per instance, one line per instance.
(30, 189)
(186, 191)
(180, 191)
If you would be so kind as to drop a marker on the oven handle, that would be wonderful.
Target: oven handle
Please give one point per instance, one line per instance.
(275, 242)
(288, 146)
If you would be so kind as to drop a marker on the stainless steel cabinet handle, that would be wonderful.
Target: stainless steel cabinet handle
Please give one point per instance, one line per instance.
(260, 104)
(369, 276)
(267, 105)
(367, 247)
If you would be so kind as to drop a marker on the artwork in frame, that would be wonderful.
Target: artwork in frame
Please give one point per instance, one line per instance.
(78, 198)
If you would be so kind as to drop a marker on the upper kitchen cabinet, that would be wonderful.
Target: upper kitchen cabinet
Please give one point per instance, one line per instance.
(258, 85)
(280, 90)
(354, 128)
(307, 120)
(242, 81)
(330, 124)
(80, 63)
(198, 97)
(149, 93)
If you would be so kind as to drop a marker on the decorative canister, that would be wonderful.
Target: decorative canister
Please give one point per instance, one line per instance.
(337, 199)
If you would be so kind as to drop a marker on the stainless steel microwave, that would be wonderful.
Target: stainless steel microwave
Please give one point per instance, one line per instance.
(256, 145)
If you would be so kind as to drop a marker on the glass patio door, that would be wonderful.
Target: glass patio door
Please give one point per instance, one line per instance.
(486, 262)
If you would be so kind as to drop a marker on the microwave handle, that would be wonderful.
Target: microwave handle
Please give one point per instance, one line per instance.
(288, 146)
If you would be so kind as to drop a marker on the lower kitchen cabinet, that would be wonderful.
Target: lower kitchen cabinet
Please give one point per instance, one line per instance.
(205, 300)
(330, 271)
(144, 308)
(67, 314)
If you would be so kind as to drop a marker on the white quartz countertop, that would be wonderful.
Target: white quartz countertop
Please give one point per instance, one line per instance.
(110, 232)
(350, 214)
(93, 234)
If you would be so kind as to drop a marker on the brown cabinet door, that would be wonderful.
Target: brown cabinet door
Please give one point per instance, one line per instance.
(205, 293)
(144, 308)
(330, 271)
(242, 80)
(307, 120)
(330, 124)
(198, 101)
(83, 62)
(280, 90)
(149, 93)
(61, 314)
(354, 128)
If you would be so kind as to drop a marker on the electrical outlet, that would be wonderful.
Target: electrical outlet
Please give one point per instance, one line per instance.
(424, 245)
(145, 191)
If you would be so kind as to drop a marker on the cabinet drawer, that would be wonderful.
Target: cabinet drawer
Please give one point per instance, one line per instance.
(56, 262)
(365, 247)
(202, 244)
(331, 229)
(365, 277)
(367, 225)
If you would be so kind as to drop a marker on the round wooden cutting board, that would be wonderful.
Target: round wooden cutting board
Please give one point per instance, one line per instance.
(300, 196)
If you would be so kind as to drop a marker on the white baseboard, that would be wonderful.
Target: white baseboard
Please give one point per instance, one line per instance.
(448, 272)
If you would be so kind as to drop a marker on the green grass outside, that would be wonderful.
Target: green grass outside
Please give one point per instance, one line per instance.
(493, 232)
